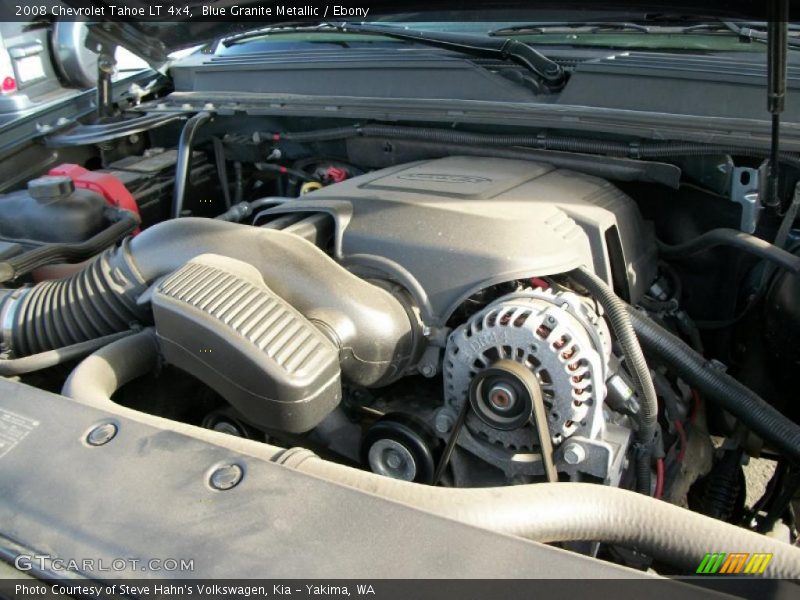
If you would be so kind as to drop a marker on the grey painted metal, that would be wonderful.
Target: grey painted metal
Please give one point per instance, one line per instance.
(146, 495)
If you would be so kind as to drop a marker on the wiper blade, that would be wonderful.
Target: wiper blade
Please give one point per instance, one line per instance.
(588, 27)
(751, 30)
(548, 71)
(271, 30)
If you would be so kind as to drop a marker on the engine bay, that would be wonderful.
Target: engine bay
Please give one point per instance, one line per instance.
(422, 304)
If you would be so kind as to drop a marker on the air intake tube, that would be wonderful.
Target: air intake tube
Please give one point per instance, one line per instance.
(374, 331)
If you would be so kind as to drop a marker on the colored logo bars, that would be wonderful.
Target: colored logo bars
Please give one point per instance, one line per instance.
(734, 563)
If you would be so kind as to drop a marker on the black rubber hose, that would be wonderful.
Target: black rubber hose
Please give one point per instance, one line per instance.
(123, 222)
(645, 149)
(51, 358)
(222, 170)
(646, 419)
(651, 150)
(240, 211)
(789, 217)
(106, 131)
(281, 170)
(719, 387)
(239, 182)
(319, 135)
(719, 494)
(737, 239)
(184, 160)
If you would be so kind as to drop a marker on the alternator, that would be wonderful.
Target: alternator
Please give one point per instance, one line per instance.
(560, 338)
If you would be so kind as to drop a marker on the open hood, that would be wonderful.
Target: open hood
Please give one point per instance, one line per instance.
(155, 37)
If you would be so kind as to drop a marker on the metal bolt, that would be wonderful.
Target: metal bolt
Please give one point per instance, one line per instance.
(226, 477)
(390, 458)
(102, 434)
(443, 422)
(227, 427)
(574, 454)
(502, 396)
(427, 370)
(619, 387)
(393, 459)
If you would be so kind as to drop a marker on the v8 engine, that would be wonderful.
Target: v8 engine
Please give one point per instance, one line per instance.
(418, 328)
(471, 241)
(447, 272)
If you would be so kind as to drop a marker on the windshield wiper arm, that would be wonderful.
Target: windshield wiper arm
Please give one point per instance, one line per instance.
(548, 71)
(755, 32)
(752, 31)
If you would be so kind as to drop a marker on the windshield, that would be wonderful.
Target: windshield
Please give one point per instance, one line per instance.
(711, 36)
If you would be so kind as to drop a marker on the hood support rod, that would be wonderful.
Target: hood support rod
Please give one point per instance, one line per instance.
(777, 42)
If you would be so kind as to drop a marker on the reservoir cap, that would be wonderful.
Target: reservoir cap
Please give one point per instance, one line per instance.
(50, 187)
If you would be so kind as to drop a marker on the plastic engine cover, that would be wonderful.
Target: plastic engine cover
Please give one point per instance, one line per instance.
(459, 224)
(216, 319)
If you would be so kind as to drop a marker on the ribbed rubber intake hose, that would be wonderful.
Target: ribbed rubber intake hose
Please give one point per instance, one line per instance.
(95, 302)
(374, 331)
(719, 387)
(544, 512)
(646, 419)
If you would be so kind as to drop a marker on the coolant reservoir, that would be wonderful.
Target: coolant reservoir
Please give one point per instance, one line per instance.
(51, 210)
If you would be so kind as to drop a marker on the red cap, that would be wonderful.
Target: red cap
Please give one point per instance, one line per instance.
(9, 85)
